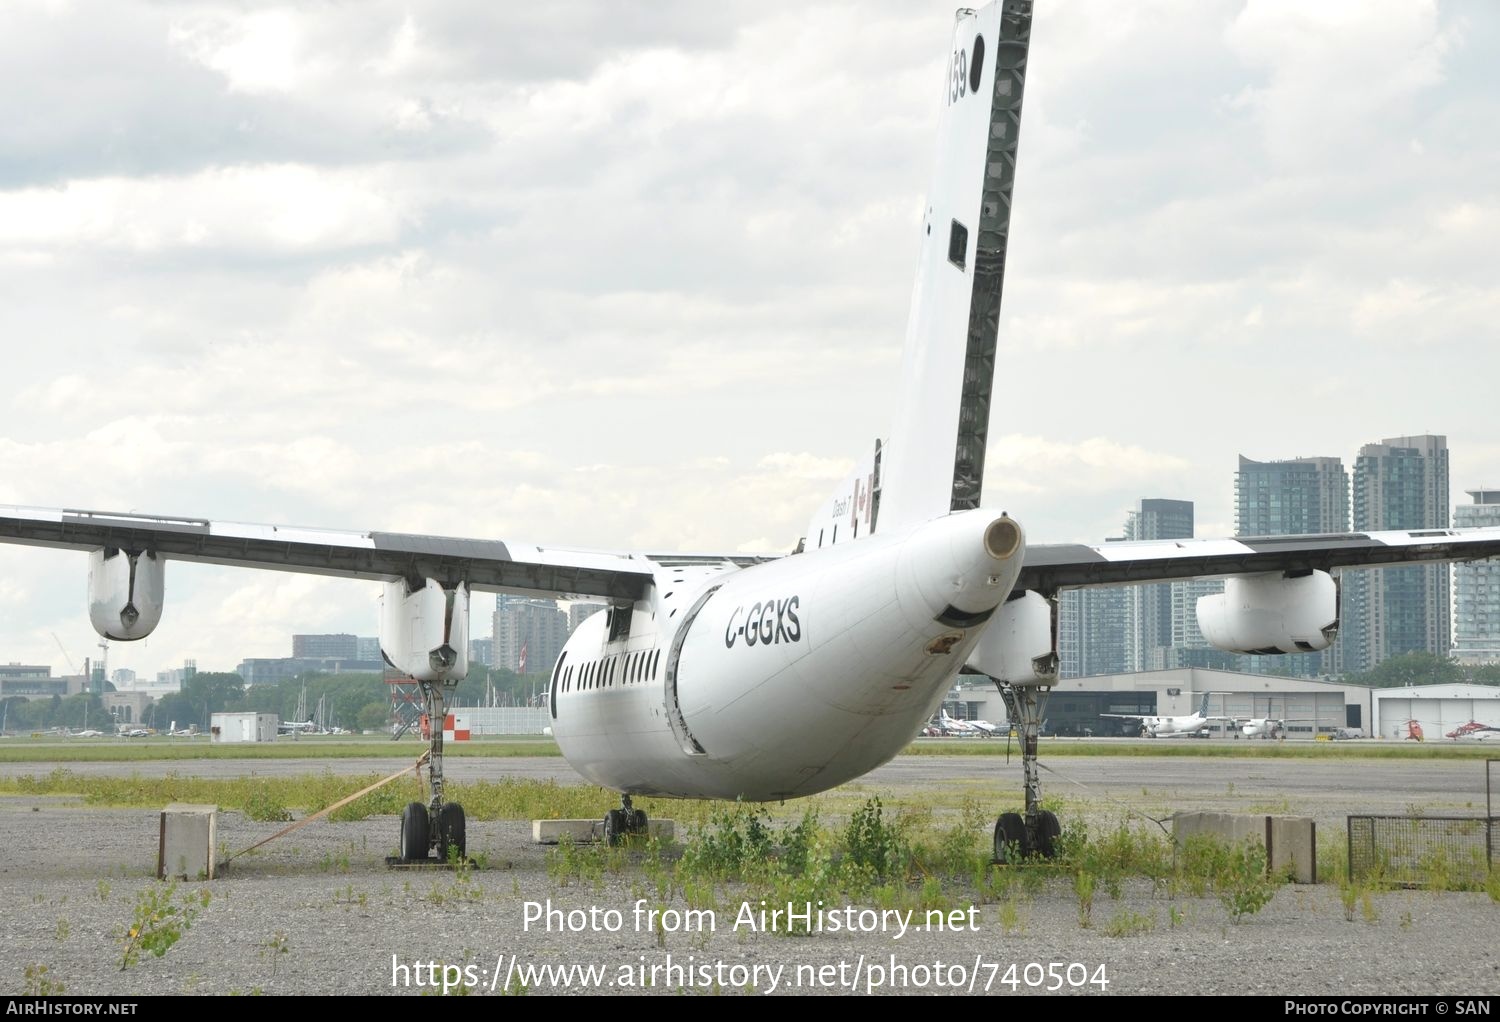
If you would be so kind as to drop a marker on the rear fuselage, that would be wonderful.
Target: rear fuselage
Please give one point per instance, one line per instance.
(785, 678)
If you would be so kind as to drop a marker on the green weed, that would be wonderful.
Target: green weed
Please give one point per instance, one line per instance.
(157, 921)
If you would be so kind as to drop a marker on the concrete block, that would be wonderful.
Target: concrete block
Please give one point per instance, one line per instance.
(189, 838)
(1290, 841)
(550, 832)
(1293, 843)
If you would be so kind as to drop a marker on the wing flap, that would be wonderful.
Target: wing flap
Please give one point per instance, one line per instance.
(489, 565)
(1050, 567)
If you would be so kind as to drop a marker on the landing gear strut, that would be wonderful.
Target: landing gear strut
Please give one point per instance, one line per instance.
(623, 822)
(1033, 833)
(436, 830)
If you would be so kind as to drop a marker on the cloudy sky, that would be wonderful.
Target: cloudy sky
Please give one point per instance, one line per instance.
(635, 275)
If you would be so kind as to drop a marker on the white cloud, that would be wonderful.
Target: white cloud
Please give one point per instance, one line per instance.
(256, 52)
(283, 209)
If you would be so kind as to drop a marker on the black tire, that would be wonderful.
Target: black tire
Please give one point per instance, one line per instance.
(451, 832)
(1010, 839)
(415, 833)
(1048, 830)
(614, 827)
(638, 824)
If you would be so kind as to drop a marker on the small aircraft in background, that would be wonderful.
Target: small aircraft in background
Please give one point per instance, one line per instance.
(990, 730)
(1474, 731)
(1263, 727)
(1172, 727)
(1413, 732)
(953, 726)
(944, 726)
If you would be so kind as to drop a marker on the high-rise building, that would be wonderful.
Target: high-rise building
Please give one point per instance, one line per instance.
(1399, 483)
(1149, 610)
(1091, 632)
(481, 651)
(578, 611)
(1300, 496)
(535, 628)
(1476, 587)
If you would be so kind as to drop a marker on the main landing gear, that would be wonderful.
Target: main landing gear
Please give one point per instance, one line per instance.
(434, 832)
(623, 822)
(1020, 836)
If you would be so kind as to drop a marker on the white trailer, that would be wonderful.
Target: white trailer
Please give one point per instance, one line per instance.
(243, 727)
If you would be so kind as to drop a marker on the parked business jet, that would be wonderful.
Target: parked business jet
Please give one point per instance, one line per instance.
(1172, 727)
(732, 677)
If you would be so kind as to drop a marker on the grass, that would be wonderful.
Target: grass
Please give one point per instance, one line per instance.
(275, 799)
(1201, 748)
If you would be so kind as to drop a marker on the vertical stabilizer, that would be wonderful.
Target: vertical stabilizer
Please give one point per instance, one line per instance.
(934, 462)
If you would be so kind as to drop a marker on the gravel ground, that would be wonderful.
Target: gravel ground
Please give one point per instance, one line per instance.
(319, 912)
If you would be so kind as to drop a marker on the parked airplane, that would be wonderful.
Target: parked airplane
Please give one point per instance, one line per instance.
(755, 678)
(1172, 727)
(963, 728)
(1263, 727)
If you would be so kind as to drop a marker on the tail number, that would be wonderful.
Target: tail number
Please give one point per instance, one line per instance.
(958, 83)
(768, 623)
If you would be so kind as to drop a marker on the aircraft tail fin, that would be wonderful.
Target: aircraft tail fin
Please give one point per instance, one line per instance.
(1203, 709)
(934, 461)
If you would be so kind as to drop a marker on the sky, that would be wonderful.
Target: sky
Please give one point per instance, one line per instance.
(636, 275)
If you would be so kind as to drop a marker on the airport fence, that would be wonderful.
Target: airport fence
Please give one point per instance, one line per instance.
(1423, 851)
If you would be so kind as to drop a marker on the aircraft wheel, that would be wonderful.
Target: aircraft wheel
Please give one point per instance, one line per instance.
(638, 821)
(1048, 830)
(1010, 838)
(452, 828)
(614, 827)
(414, 832)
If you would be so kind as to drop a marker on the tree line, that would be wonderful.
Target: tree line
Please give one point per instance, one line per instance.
(355, 701)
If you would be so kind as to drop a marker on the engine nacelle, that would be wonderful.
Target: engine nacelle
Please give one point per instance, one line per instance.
(1272, 614)
(1019, 644)
(424, 632)
(126, 589)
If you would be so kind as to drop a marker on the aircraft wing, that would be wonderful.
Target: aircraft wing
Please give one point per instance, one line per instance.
(1050, 567)
(1128, 716)
(485, 564)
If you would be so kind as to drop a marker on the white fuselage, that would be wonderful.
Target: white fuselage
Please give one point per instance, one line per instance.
(785, 678)
(1173, 727)
(1262, 727)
